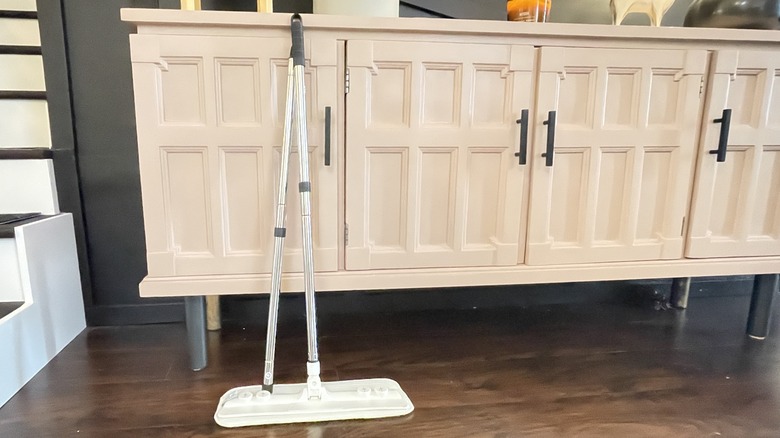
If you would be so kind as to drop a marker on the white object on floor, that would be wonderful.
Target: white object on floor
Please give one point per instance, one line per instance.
(53, 310)
(290, 403)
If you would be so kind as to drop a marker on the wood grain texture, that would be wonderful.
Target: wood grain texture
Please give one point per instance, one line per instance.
(591, 370)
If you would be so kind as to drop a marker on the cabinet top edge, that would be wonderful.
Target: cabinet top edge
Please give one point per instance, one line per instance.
(146, 20)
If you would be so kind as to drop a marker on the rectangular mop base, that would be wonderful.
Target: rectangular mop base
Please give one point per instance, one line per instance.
(289, 403)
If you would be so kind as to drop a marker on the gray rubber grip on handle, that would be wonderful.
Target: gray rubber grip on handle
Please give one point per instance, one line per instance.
(296, 27)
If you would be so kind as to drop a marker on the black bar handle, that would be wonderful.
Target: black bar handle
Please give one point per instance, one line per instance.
(296, 28)
(548, 154)
(723, 141)
(523, 122)
(327, 136)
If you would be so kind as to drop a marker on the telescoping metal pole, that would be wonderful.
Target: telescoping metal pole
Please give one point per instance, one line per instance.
(304, 187)
(279, 234)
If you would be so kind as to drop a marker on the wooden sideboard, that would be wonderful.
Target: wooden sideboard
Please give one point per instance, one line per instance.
(424, 186)
(463, 152)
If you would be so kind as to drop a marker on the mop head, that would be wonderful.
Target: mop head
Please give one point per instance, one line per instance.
(290, 403)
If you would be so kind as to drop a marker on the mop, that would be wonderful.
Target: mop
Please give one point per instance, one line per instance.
(314, 400)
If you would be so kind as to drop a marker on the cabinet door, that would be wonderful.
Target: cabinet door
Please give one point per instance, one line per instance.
(431, 177)
(622, 164)
(736, 205)
(210, 113)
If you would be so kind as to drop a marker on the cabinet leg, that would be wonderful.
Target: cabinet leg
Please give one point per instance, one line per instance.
(681, 289)
(213, 317)
(195, 316)
(764, 289)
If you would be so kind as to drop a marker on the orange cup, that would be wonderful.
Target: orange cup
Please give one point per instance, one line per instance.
(528, 10)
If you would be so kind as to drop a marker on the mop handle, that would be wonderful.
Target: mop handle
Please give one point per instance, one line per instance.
(296, 28)
(280, 231)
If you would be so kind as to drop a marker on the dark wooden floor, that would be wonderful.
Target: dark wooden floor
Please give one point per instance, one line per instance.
(586, 370)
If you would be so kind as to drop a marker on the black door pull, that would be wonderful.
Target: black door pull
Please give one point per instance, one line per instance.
(523, 122)
(327, 136)
(723, 140)
(548, 154)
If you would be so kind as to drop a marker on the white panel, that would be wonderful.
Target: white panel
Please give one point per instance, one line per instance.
(188, 207)
(241, 171)
(730, 180)
(10, 282)
(16, 32)
(570, 182)
(483, 201)
(21, 72)
(765, 221)
(182, 92)
(18, 5)
(622, 96)
(653, 193)
(53, 313)
(575, 104)
(742, 96)
(389, 95)
(437, 184)
(441, 94)
(774, 102)
(238, 91)
(24, 123)
(491, 93)
(387, 170)
(664, 98)
(611, 192)
(27, 186)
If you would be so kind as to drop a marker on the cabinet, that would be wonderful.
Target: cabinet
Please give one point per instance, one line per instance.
(431, 175)
(425, 179)
(210, 112)
(616, 188)
(736, 208)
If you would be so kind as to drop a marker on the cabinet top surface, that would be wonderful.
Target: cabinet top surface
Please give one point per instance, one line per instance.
(154, 20)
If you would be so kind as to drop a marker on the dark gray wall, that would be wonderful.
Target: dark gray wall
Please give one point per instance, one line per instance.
(55, 64)
(104, 124)
(470, 9)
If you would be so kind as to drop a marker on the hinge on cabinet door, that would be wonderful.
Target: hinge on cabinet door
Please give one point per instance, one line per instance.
(346, 81)
(682, 227)
(346, 234)
(701, 86)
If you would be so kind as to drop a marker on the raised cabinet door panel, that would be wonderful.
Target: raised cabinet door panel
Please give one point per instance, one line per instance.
(617, 189)
(736, 205)
(431, 175)
(210, 115)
